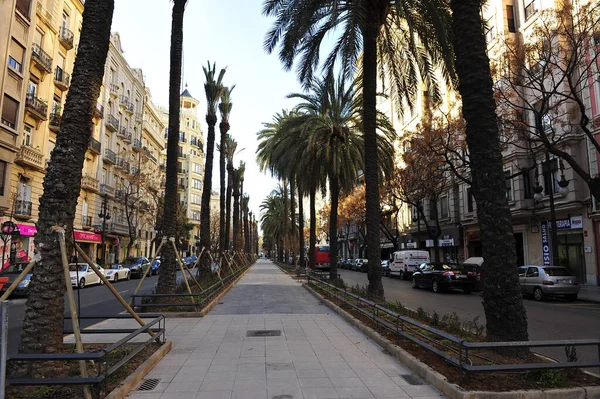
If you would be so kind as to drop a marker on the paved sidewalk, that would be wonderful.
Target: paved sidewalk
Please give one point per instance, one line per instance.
(317, 355)
(589, 293)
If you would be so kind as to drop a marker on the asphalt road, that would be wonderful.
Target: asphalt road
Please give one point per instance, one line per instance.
(551, 319)
(94, 300)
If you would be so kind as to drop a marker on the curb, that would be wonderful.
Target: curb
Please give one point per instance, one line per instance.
(127, 385)
(453, 391)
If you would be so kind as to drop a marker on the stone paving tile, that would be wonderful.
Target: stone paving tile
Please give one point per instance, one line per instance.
(318, 355)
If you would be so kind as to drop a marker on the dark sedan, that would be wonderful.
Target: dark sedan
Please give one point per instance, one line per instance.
(136, 265)
(440, 276)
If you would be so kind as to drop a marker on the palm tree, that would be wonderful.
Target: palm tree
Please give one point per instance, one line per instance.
(245, 201)
(506, 318)
(236, 208)
(333, 118)
(167, 279)
(231, 147)
(42, 330)
(240, 236)
(225, 109)
(214, 89)
(272, 213)
(408, 37)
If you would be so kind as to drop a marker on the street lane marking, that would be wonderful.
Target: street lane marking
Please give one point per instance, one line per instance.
(122, 292)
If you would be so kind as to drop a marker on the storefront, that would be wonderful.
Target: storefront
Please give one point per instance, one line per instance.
(87, 242)
(570, 246)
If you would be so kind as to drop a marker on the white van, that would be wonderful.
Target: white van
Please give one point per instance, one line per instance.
(404, 263)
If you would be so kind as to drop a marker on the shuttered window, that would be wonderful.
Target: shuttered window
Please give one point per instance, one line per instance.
(9, 112)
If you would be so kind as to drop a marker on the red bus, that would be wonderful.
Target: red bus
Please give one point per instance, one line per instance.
(322, 257)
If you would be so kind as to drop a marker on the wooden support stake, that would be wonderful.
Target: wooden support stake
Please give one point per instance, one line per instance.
(148, 268)
(114, 291)
(187, 285)
(20, 278)
(182, 264)
(72, 307)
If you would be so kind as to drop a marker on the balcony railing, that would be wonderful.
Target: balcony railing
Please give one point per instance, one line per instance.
(114, 89)
(95, 146)
(61, 79)
(89, 183)
(106, 189)
(99, 110)
(125, 134)
(150, 156)
(139, 117)
(65, 36)
(137, 145)
(22, 208)
(54, 124)
(42, 60)
(125, 103)
(119, 194)
(123, 163)
(110, 156)
(31, 157)
(36, 107)
(112, 123)
(86, 222)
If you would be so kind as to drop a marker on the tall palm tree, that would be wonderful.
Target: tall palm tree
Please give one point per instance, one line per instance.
(245, 202)
(271, 215)
(42, 330)
(167, 279)
(236, 209)
(332, 114)
(506, 318)
(214, 89)
(231, 147)
(408, 37)
(225, 109)
(240, 236)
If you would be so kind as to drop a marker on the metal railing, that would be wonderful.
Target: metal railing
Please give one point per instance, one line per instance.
(66, 37)
(431, 339)
(104, 368)
(41, 57)
(62, 78)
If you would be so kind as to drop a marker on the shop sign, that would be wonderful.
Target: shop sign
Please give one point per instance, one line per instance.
(429, 243)
(446, 242)
(27, 230)
(85, 236)
(546, 253)
(574, 222)
(411, 244)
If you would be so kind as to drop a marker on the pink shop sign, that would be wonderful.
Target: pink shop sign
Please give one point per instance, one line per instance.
(89, 237)
(27, 230)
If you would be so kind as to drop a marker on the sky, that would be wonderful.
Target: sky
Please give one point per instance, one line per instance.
(229, 33)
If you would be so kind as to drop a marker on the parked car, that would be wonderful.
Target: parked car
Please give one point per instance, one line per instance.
(476, 262)
(443, 275)
(355, 265)
(385, 267)
(137, 265)
(342, 263)
(405, 263)
(548, 281)
(155, 266)
(116, 273)
(12, 272)
(82, 274)
(193, 260)
(363, 265)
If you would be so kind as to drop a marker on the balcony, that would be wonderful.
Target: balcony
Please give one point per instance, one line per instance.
(151, 157)
(126, 104)
(86, 222)
(109, 156)
(114, 90)
(65, 37)
(22, 209)
(37, 108)
(139, 117)
(118, 227)
(61, 79)
(112, 123)
(32, 157)
(137, 145)
(108, 190)
(182, 155)
(125, 134)
(99, 111)
(120, 195)
(181, 171)
(88, 183)
(54, 124)
(123, 163)
(181, 186)
(94, 146)
(41, 59)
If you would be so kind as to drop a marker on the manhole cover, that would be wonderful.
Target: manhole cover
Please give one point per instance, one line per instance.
(263, 333)
(412, 380)
(149, 384)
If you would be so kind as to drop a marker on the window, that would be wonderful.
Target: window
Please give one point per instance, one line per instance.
(527, 188)
(530, 8)
(197, 168)
(197, 184)
(38, 38)
(549, 170)
(510, 19)
(104, 176)
(24, 6)
(27, 135)
(15, 57)
(182, 136)
(469, 200)
(23, 194)
(491, 32)
(532, 272)
(414, 214)
(508, 183)
(196, 199)
(3, 167)
(65, 20)
(444, 207)
(31, 89)
(9, 112)
(432, 210)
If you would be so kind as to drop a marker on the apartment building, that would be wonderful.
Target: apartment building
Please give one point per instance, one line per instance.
(190, 164)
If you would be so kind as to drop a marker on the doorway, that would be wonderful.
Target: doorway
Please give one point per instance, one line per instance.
(571, 253)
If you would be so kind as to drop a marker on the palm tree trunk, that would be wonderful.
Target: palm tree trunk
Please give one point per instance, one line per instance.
(373, 212)
(506, 318)
(240, 216)
(301, 228)
(285, 219)
(228, 205)
(166, 278)
(313, 226)
(293, 220)
(42, 330)
(224, 127)
(334, 192)
(236, 218)
(246, 228)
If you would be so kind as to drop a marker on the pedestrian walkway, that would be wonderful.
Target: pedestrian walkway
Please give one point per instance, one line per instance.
(270, 339)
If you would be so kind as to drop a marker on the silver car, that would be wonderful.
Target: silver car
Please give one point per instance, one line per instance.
(547, 281)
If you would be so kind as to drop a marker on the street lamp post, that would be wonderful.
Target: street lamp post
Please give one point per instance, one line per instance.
(562, 191)
(105, 215)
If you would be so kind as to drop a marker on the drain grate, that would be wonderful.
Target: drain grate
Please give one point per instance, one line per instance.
(149, 384)
(263, 333)
(412, 379)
